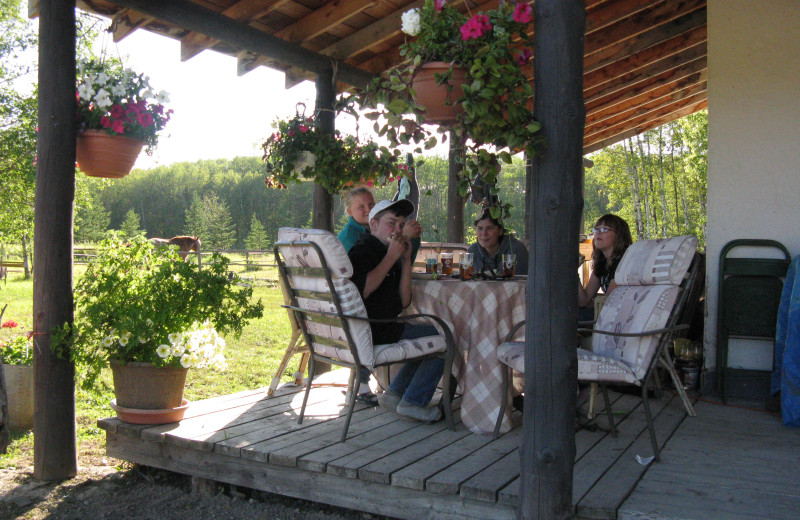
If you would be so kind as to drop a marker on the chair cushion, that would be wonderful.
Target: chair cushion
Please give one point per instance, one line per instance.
(335, 255)
(512, 353)
(633, 309)
(592, 367)
(663, 261)
(391, 353)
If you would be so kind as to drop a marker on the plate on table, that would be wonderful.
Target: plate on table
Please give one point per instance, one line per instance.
(428, 276)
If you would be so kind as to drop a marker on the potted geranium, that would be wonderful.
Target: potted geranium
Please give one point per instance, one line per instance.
(119, 113)
(299, 150)
(482, 62)
(16, 353)
(146, 311)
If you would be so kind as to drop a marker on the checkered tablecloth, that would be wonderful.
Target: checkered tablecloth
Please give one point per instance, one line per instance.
(480, 314)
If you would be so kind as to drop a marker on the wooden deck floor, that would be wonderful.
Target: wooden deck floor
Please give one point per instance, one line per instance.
(725, 463)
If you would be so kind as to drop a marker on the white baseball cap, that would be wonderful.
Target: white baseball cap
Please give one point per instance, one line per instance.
(404, 207)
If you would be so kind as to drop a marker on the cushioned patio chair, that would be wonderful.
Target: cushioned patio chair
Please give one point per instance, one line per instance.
(654, 281)
(333, 319)
(297, 345)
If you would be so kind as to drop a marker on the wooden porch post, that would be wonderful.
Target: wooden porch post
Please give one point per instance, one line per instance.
(455, 202)
(54, 445)
(322, 217)
(547, 453)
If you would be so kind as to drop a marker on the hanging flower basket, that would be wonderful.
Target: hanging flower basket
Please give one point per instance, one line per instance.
(103, 155)
(439, 101)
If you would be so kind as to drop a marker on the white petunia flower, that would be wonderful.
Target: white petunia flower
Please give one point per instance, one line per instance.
(142, 340)
(411, 22)
(123, 340)
(174, 338)
(186, 361)
(108, 341)
(102, 78)
(162, 97)
(149, 322)
(163, 350)
(118, 90)
(85, 91)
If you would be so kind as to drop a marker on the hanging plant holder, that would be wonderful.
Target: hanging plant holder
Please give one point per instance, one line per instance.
(103, 155)
(439, 100)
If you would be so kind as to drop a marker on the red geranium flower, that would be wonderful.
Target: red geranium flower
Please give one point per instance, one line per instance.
(10, 324)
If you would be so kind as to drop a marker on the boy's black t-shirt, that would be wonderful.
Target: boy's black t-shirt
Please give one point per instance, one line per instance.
(385, 301)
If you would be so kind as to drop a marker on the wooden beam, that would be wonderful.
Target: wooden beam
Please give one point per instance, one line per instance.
(647, 85)
(645, 57)
(600, 113)
(640, 22)
(54, 442)
(195, 18)
(455, 202)
(547, 452)
(317, 22)
(602, 15)
(243, 11)
(624, 117)
(637, 43)
(647, 122)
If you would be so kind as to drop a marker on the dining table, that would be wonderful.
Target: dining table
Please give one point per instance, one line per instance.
(480, 313)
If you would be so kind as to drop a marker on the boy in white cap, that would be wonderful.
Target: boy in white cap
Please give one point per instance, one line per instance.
(382, 273)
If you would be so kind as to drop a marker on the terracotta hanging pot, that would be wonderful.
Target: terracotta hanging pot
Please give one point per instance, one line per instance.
(103, 155)
(439, 101)
(146, 394)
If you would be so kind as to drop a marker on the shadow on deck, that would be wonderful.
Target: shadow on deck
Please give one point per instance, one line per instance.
(727, 463)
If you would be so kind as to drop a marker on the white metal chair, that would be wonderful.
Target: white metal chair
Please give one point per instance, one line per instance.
(639, 318)
(297, 345)
(333, 319)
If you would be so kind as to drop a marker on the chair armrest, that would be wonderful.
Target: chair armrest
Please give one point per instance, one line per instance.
(513, 331)
(636, 334)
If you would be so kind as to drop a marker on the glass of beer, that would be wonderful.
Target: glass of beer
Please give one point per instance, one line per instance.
(465, 266)
(509, 261)
(447, 263)
(430, 264)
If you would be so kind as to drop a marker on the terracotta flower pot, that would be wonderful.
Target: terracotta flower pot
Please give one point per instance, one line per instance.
(19, 394)
(155, 392)
(103, 155)
(439, 101)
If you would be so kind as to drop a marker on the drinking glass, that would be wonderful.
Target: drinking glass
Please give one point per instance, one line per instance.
(430, 264)
(447, 263)
(465, 266)
(509, 261)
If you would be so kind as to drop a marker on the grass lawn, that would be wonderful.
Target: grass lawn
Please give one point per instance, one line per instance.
(252, 358)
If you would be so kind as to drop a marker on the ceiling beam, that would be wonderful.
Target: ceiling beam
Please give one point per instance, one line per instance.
(125, 22)
(600, 141)
(199, 19)
(243, 11)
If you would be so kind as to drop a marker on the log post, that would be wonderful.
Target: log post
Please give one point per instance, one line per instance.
(54, 443)
(322, 217)
(547, 453)
(455, 202)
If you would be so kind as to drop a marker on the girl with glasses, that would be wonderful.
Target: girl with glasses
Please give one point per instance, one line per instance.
(612, 236)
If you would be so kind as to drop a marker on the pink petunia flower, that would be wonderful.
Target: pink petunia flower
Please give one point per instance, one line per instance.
(302, 128)
(10, 324)
(117, 111)
(523, 13)
(145, 119)
(475, 27)
(523, 56)
(105, 122)
(439, 4)
(118, 126)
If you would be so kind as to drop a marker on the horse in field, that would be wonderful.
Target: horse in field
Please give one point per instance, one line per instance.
(186, 244)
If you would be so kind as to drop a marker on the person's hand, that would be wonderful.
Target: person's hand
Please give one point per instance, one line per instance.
(397, 246)
(412, 229)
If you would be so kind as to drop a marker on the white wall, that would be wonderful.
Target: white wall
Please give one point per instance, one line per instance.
(754, 143)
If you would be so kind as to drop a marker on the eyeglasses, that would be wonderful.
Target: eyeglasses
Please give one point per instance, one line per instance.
(601, 229)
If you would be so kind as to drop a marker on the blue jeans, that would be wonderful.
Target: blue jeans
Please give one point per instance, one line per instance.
(417, 380)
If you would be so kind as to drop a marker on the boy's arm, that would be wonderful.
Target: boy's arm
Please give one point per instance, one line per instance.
(378, 274)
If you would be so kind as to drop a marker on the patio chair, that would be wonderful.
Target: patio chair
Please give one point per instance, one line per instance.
(655, 280)
(334, 322)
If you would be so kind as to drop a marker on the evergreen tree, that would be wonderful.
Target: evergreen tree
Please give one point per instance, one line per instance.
(91, 223)
(257, 238)
(221, 230)
(196, 223)
(130, 226)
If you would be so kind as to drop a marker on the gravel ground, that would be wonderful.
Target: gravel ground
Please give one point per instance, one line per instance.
(110, 489)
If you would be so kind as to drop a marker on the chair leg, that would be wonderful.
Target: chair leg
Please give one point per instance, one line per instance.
(291, 350)
(592, 397)
(667, 364)
(609, 413)
(351, 402)
(650, 426)
(503, 401)
(311, 367)
(298, 376)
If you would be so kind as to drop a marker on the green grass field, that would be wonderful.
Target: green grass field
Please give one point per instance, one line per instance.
(252, 358)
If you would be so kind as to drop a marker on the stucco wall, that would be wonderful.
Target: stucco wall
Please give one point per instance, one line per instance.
(754, 139)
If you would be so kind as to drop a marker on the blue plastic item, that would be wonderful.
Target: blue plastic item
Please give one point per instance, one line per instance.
(786, 376)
